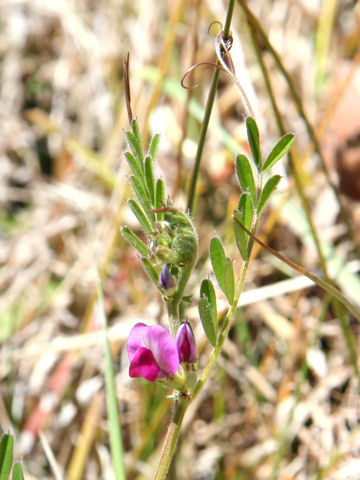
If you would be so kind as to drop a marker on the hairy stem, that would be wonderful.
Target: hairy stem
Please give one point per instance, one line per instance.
(171, 438)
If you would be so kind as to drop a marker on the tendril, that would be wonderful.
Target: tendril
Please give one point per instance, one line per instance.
(222, 48)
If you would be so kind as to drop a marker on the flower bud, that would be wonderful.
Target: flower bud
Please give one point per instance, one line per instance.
(167, 281)
(186, 344)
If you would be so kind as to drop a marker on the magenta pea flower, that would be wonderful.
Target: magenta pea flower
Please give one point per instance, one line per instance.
(155, 354)
(152, 352)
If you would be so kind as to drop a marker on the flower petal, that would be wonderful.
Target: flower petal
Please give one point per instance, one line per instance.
(137, 339)
(143, 364)
(164, 348)
(186, 344)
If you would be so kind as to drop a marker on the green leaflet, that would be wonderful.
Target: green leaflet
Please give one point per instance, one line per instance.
(207, 290)
(142, 197)
(218, 260)
(150, 270)
(6, 456)
(149, 178)
(280, 149)
(268, 189)
(206, 317)
(135, 241)
(160, 198)
(254, 140)
(245, 176)
(17, 472)
(229, 281)
(140, 215)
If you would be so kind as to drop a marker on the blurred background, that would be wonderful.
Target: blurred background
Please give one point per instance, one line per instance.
(283, 400)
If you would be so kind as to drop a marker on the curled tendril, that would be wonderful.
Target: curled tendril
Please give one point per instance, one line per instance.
(222, 48)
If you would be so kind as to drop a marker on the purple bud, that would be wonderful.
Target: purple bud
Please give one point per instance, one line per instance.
(186, 344)
(167, 281)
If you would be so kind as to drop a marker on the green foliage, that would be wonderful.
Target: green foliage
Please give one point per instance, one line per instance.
(254, 140)
(6, 460)
(135, 241)
(280, 149)
(229, 281)
(268, 189)
(245, 176)
(208, 310)
(218, 260)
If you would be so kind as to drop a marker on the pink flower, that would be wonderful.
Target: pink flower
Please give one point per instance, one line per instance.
(155, 354)
(152, 352)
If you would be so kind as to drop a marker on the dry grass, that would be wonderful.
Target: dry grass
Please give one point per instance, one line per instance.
(283, 401)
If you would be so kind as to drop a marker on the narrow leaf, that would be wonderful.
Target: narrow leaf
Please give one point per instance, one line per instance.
(149, 177)
(268, 189)
(135, 167)
(229, 281)
(160, 198)
(135, 148)
(150, 270)
(17, 473)
(210, 328)
(135, 241)
(137, 135)
(254, 140)
(279, 150)
(140, 215)
(218, 260)
(154, 144)
(207, 290)
(245, 176)
(240, 236)
(142, 197)
(6, 456)
(246, 209)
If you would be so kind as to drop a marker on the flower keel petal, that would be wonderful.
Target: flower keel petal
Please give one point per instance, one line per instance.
(143, 364)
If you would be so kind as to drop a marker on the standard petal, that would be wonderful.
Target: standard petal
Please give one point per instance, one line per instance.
(164, 348)
(143, 364)
(186, 344)
(137, 339)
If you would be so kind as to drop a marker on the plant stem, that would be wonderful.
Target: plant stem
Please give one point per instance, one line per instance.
(171, 438)
(207, 114)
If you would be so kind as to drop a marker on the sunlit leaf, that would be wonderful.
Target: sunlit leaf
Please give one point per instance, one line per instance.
(268, 189)
(149, 177)
(206, 317)
(254, 140)
(6, 456)
(150, 270)
(142, 197)
(135, 148)
(17, 473)
(140, 215)
(135, 241)
(245, 175)
(218, 260)
(280, 149)
(160, 198)
(154, 144)
(207, 290)
(229, 281)
(135, 167)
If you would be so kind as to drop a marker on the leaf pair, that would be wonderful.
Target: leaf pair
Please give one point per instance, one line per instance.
(280, 149)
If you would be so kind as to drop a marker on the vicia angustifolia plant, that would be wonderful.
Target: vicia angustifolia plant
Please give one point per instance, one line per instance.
(168, 252)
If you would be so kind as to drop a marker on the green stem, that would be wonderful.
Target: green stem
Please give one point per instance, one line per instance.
(171, 438)
(207, 114)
